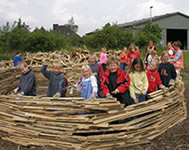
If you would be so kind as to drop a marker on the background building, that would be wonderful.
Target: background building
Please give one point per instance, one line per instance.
(175, 26)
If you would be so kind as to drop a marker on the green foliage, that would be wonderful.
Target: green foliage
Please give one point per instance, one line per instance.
(149, 32)
(42, 40)
(111, 36)
(71, 24)
(19, 37)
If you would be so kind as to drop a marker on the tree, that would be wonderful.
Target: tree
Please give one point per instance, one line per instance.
(111, 36)
(147, 33)
(71, 24)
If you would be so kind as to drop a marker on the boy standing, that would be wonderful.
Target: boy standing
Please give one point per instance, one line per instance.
(17, 59)
(56, 85)
(27, 85)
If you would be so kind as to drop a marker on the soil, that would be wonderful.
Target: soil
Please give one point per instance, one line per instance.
(176, 138)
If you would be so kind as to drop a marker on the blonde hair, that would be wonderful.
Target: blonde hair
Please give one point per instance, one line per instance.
(86, 67)
(132, 45)
(164, 53)
(112, 60)
(22, 65)
(156, 62)
(56, 64)
(153, 52)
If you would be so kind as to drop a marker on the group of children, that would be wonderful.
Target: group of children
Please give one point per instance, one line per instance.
(109, 77)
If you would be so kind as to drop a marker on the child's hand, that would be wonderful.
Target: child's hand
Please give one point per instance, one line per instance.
(171, 82)
(16, 90)
(116, 91)
(56, 95)
(18, 96)
(162, 87)
(93, 96)
(109, 96)
(136, 101)
(144, 92)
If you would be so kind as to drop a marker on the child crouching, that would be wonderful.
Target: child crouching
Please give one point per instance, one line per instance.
(87, 83)
(56, 85)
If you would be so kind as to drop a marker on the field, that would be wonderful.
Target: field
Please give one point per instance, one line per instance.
(176, 138)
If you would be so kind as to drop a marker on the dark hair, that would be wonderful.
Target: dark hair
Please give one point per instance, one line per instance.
(137, 61)
(177, 44)
(18, 52)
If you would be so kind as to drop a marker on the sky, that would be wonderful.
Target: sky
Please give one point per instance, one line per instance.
(89, 15)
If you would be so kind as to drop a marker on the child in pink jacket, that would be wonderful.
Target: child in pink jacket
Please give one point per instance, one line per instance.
(103, 58)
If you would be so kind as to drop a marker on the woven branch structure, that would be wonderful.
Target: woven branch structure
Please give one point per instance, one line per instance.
(76, 123)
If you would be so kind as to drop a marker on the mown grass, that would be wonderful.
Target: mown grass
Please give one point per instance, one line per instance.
(186, 60)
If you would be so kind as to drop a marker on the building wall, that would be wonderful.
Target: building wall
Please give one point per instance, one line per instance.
(172, 22)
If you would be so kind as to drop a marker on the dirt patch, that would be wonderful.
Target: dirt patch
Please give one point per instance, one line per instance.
(176, 138)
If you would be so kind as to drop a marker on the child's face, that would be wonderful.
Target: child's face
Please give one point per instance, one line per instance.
(133, 49)
(86, 73)
(150, 43)
(92, 60)
(103, 50)
(125, 50)
(153, 66)
(24, 70)
(169, 45)
(165, 58)
(137, 67)
(56, 70)
(113, 67)
(153, 55)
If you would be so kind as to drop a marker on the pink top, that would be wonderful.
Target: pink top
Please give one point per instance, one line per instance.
(103, 58)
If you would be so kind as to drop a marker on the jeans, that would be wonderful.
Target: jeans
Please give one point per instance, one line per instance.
(140, 98)
(122, 66)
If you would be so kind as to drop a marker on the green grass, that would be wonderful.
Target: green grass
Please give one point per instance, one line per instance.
(186, 60)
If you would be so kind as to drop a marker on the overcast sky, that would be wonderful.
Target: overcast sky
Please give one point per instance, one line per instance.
(88, 14)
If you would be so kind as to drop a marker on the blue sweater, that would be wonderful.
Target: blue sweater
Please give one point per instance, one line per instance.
(16, 60)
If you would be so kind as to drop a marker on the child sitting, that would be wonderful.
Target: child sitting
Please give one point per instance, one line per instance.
(154, 80)
(27, 85)
(116, 83)
(87, 83)
(166, 70)
(56, 87)
(139, 82)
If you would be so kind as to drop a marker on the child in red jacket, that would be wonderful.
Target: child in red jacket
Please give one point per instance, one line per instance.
(153, 76)
(116, 83)
(133, 53)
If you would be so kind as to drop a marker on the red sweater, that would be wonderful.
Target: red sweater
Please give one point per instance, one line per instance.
(132, 55)
(153, 80)
(123, 57)
(122, 82)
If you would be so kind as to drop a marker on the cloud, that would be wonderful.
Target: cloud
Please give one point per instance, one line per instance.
(159, 8)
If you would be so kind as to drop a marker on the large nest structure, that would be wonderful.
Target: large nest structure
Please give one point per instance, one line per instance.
(76, 123)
